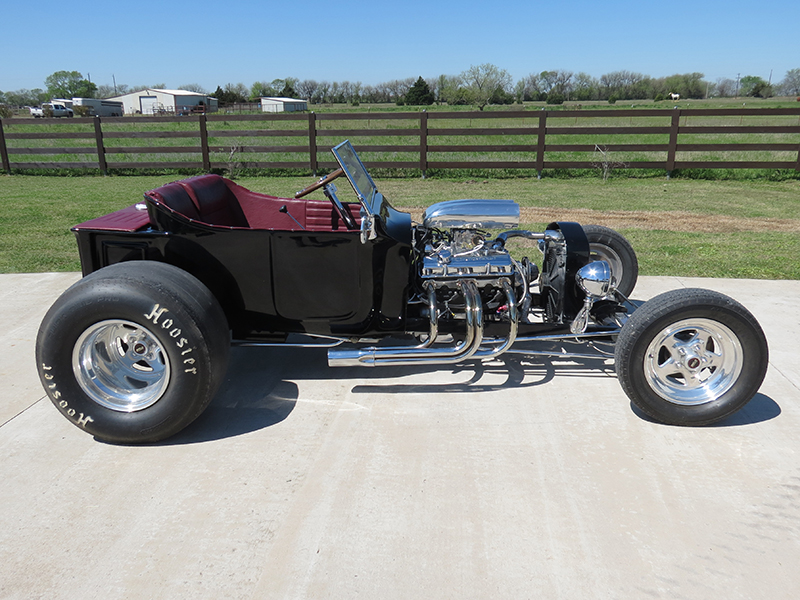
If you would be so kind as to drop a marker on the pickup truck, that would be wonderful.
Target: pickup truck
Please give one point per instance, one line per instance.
(55, 110)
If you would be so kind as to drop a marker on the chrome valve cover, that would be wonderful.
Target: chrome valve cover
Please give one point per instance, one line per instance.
(476, 266)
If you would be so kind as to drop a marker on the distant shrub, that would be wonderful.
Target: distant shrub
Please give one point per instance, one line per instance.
(613, 99)
(5, 111)
(659, 98)
(555, 98)
(419, 94)
(500, 96)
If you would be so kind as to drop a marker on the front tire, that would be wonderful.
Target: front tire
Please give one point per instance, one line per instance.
(134, 352)
(691, 357)
(611, 246)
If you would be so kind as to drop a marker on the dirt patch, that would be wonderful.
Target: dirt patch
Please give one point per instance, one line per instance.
(666, 220)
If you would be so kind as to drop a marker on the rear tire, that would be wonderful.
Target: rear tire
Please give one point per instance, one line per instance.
(691, 357)
(611, 246)
(134, 352)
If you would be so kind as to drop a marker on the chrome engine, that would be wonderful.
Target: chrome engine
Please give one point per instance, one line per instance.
(460, 249)
(467, 254)
(468, 277)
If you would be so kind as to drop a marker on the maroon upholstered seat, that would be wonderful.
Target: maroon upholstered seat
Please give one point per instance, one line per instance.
(217, 201)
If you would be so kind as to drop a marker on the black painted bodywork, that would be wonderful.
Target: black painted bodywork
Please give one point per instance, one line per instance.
(270, 282)
(276, 278)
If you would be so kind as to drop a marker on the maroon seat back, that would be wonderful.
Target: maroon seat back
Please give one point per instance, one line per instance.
(175, 197)
(216, 203)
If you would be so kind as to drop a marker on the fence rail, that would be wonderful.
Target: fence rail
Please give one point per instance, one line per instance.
(664, 139)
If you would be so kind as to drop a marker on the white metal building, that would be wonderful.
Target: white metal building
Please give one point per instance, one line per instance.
(283, 105)
(154, 101)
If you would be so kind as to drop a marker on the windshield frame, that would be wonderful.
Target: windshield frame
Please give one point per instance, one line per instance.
(357, 174)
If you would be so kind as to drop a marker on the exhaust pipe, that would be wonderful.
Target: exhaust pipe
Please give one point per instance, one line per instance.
(513, 317)
(424, 354)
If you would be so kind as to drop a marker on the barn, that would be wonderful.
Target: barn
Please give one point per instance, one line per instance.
(174, 102)
(283, 105)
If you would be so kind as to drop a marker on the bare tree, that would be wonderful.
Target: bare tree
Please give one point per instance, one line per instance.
(725, 87)
(790, 85)
(527, 88)
(306, 88)
(322, 93)
(398, 87)
(482, 81)
(584, 87)
(107, 91)
(193, 87)
(239, 89)
(356, 92)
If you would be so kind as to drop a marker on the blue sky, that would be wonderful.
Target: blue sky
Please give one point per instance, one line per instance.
(213, 43)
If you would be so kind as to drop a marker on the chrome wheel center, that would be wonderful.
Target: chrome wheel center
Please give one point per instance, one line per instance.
(121, 365)
(693, 361)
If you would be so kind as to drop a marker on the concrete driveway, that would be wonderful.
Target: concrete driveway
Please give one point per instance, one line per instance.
(531, 479)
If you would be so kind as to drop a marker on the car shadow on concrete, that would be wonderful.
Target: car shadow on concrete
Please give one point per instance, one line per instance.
(255, 394)
(260, 388)
(508, 371)
(760, 409)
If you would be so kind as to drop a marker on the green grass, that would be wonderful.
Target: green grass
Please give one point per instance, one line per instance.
(745, 255)
(37, 212)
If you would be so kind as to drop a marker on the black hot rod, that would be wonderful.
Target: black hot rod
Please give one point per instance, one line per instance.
(135, 350)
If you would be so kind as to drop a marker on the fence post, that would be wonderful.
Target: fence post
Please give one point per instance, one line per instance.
(423, 142)
(4, 150)
(204, 144)
(673, 141)
(312, 142)
(101, 150)
(540, 145)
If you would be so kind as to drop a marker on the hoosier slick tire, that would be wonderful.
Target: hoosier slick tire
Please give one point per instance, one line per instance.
(691, 357)
(133, 352)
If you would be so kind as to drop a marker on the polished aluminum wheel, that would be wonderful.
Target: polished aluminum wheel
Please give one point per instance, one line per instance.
(693, 361)
(121, 365)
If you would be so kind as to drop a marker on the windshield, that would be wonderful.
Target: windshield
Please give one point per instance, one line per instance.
(356, 172)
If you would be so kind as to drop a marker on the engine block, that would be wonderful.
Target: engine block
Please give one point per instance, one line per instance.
(466, 255)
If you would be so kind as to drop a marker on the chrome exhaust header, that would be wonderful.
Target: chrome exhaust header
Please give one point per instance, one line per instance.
(425, 353)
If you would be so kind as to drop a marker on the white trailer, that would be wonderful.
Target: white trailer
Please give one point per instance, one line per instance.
(100, 108)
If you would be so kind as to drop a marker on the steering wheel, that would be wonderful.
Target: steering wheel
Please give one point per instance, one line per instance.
(321, 183)
(337, 204)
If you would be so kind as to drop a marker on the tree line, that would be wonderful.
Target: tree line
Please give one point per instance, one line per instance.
(479, 86)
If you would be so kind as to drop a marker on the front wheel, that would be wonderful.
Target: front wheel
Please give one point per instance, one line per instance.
(133, 352)
(691, 357)
(611, 246)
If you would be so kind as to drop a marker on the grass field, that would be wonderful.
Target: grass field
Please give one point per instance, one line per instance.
(741, 229)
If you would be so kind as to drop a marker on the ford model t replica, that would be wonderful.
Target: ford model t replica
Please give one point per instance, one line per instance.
(135, 350)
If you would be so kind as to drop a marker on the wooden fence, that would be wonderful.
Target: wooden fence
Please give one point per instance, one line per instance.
(664, 139)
